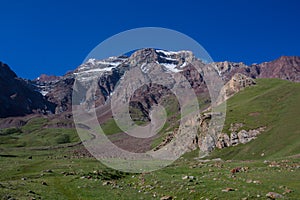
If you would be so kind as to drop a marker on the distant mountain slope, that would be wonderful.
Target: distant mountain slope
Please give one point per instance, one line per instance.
(18, 97)
(285, 67)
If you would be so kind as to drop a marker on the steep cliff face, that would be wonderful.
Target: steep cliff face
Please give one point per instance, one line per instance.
(18, 97)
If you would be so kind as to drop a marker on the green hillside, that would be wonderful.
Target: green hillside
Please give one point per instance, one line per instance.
(36, 133)
(272, 103)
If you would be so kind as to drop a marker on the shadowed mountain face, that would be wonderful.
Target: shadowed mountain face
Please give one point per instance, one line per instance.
(49, 94)
(18, 97)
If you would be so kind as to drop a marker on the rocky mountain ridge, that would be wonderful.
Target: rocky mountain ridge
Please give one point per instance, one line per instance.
(52, 95)
(57, 91)
(113, 68)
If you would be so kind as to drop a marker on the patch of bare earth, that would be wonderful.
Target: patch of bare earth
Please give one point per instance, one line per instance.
(132, 144)
(253, 114)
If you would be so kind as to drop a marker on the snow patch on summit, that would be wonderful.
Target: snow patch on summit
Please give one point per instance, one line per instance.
(170, 67)
(111, 61)
(167, 53)
(106, 69)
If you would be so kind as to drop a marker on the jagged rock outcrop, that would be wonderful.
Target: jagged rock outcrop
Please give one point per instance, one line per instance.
(237, 83)
(235, 138)
(207, 138)
(206, 135)
(150, 55)
(228, 69)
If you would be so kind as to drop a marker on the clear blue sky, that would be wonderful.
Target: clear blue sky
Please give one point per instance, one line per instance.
(53, 37)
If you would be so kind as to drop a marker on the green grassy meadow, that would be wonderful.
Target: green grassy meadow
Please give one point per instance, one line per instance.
(36, 162)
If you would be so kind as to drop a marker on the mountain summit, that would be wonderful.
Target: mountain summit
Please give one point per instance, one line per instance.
(50, 94)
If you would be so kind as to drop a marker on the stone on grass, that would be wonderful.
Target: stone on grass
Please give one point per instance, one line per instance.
(286, 191)
(274, 195)
(166, 198)
(185, 177)
(188, 177)
(107, 183)
(228, 190)
(44, 183)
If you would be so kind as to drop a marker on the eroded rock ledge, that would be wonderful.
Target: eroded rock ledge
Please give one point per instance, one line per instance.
(235, 138)
(208, 140)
